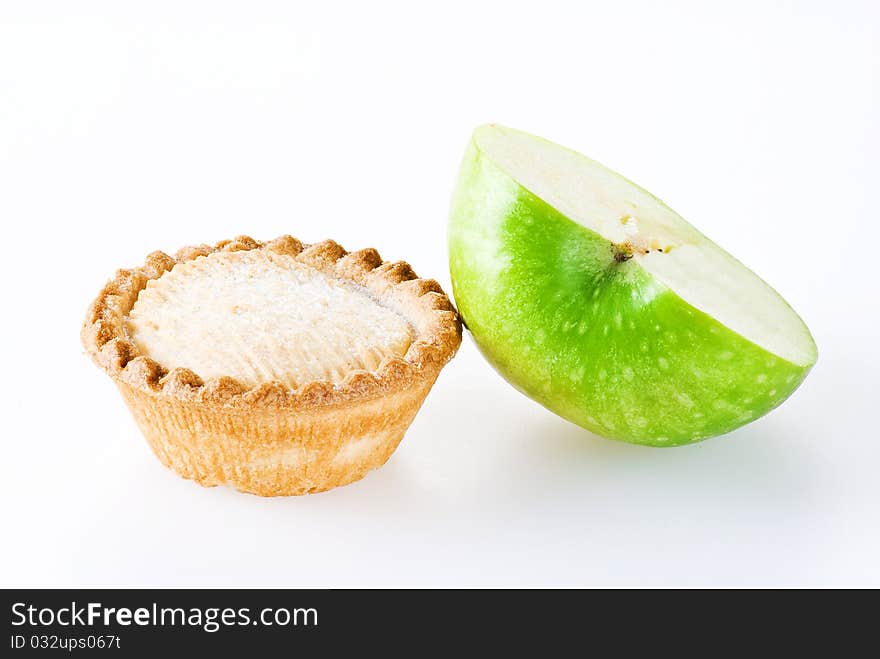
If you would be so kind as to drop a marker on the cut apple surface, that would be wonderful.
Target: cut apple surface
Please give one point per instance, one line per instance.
(596, 299)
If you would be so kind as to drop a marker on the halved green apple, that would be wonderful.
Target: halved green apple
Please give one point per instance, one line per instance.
(593, 297)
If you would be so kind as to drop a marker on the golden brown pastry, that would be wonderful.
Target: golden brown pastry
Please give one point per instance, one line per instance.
(274, 367)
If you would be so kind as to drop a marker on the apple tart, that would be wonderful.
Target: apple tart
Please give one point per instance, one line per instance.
(278, 368)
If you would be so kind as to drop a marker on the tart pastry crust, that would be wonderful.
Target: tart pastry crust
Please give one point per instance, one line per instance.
(271, 438)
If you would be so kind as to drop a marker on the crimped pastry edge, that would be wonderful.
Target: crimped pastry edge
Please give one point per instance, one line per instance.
(421, 301)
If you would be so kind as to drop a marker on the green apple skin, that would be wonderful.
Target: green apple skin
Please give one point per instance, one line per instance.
(598, 341)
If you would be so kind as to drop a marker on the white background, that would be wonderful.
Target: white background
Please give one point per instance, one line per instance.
(124, 130)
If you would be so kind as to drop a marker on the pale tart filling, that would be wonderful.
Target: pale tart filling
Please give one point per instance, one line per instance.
(261, 317)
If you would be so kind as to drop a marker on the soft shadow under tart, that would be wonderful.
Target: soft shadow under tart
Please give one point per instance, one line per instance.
(277, 368)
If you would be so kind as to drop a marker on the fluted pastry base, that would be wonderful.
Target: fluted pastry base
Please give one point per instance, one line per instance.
(274, 452)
